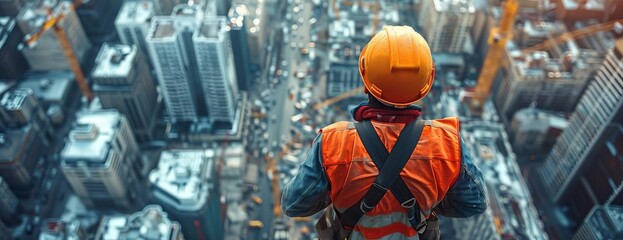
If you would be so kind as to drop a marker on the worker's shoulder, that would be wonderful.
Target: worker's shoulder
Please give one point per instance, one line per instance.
(338, 126)
(450, 124)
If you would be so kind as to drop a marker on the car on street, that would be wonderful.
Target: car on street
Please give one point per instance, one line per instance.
(257, 200)
(256, 224)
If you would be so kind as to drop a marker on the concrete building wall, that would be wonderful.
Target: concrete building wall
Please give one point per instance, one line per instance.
(600, 107)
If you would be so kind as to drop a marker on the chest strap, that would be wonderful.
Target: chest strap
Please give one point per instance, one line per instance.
(389, 175)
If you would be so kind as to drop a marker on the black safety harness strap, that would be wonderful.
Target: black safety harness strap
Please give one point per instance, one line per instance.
(389, 175)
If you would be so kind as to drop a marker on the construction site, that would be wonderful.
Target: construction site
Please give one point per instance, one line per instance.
(176, 119)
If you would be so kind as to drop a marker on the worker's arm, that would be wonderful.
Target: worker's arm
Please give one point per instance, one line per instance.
(308, 192)
(467, 196)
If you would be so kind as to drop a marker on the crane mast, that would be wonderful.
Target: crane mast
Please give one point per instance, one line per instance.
(498, 37)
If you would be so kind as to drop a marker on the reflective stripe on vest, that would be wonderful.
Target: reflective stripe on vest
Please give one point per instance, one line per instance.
(432, 169)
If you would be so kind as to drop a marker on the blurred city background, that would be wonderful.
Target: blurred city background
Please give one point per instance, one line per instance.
(175, 119)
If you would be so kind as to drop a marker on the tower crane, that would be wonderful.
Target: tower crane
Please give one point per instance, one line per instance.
(498, 37)
(63, 40)
(497, 41)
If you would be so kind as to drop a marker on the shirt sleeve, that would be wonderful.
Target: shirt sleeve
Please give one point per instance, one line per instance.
(308, 191)
(467, 197)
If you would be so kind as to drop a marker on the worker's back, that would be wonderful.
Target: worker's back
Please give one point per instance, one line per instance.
(397, 71)
(430, 172)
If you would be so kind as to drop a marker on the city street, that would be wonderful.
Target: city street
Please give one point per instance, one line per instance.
(287, 63)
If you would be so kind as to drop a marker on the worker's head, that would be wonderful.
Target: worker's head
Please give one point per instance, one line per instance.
(397, 67)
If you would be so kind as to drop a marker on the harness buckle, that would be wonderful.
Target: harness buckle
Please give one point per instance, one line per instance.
(364, 207)
(421, 227)
(409, 203)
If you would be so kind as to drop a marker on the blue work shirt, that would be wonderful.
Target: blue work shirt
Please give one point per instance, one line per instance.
(308, 192)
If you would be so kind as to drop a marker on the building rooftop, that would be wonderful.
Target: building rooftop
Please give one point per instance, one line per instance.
(530, 115)
(463, 6)
(151, 223)
(12, 143)
(542, 28)
(510, 202)
(34, 15)
(55, 229)
(161, 27)
(16, 99)
(183, 178)
(594, 5)
(211, 28)
(90, 139)
(134, 12)
(49, 86)
(114, 60)
(574, 65)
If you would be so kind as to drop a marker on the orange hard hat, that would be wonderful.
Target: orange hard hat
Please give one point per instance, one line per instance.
(397, 67)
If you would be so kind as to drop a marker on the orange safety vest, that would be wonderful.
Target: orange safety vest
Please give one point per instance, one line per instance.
(432, 169)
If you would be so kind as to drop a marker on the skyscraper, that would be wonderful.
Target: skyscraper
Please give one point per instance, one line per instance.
(47, 53)
(122, 81)
(133, 22)
(185, 184)
(447, 25)
(12, 61)
(240, 45)
(216, 70)
(584, 169)
(100, 161)
(151, 223)
(603, 222)
(98, 19)
(26, 132)
(553, 83)
(194, 65)
(510, 212)
(257, 23)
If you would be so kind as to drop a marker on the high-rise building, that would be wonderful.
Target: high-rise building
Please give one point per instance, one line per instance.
(8, 204)
(510, 212)
(603, 222)
(56, 229)
(10, 7)
(531, 32)
(121, 80)
(257, 23)
(26, 132)
(98, 19)
(447, 25)
(194, 64)
(343, 74)
(53, 89)
(47, 53)
(240, 46)
(571, 11)
(552, 83)
(12, 61)
(151, 223)
(583, 169)
(100, 161)
(186, 185)
(216, 70)
(133, 22)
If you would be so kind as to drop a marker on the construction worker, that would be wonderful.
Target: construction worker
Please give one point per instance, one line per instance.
(397, 70)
